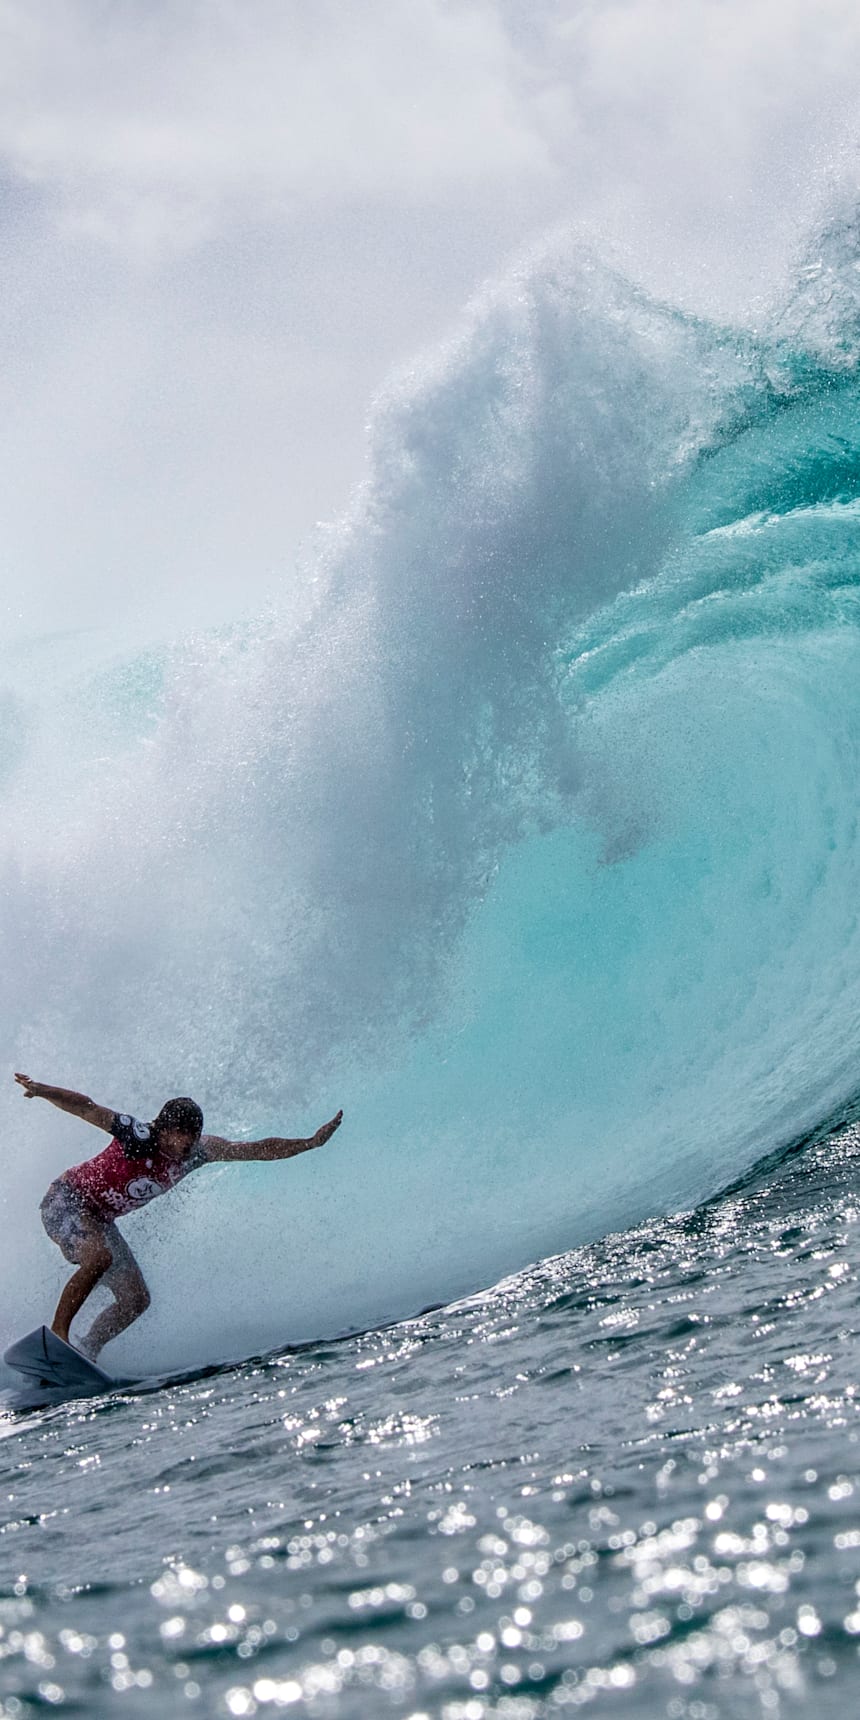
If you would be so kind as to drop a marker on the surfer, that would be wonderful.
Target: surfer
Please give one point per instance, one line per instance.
(143, 1160)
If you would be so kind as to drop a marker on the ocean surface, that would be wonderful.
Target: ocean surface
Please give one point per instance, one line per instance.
(625, 1481)
(524, 827)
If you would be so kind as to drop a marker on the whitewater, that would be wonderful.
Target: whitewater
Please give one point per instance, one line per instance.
(528, 838)
(528, 835)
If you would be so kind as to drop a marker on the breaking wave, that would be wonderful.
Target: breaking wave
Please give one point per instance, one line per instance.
(528, 834)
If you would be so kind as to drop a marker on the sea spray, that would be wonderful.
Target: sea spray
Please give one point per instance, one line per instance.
(527, 834)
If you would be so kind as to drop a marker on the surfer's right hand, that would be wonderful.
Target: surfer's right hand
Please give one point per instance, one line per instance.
(31, 1088)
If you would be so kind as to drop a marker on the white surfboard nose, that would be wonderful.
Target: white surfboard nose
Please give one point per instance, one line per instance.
(45, 1358)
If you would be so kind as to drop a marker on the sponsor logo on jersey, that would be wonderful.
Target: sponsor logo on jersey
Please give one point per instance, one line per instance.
(143, 1188)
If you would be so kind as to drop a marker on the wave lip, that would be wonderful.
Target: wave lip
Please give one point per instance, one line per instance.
(530, 837)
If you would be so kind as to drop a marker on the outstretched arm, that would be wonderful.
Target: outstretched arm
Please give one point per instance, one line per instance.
(273, 1147)
(77, 1104)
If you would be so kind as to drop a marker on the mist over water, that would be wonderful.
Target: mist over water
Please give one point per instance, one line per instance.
(527, 834)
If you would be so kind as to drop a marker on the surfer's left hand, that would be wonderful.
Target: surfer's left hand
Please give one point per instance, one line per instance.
(325, 1133)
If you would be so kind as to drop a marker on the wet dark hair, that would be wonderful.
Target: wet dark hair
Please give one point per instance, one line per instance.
(181, 1114)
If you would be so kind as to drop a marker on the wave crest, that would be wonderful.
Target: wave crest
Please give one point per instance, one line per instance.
(529, 837)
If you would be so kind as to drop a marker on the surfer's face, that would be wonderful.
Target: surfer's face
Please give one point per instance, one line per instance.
(176, 1143)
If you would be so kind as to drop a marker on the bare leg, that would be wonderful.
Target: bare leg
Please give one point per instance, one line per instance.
(95, 1261)
(131, 1297)
(108, 1325)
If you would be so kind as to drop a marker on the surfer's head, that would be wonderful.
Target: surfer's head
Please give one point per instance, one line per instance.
(178, 1127)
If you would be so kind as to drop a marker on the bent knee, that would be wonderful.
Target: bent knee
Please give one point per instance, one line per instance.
(96, 1257)
(136, 1298)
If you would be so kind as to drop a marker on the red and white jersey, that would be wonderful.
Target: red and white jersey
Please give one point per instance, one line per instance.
(131, 1171)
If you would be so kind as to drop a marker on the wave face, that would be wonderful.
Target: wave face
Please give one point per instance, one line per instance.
(529, 835)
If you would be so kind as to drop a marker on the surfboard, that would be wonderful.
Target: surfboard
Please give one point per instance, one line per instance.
(43, 1358)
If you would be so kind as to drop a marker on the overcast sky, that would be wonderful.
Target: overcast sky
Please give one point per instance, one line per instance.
(224, 221)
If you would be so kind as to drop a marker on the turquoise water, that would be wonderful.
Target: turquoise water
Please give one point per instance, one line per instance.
(623, 1482)
(524, 828)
